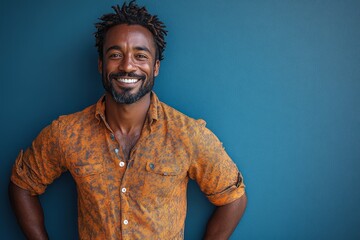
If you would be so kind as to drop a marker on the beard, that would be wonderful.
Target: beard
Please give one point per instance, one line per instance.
(126, 97)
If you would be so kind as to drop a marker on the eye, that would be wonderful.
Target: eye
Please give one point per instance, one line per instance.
(115, 56)
(141, 56)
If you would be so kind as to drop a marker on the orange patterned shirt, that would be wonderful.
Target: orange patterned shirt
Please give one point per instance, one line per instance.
(144, 197)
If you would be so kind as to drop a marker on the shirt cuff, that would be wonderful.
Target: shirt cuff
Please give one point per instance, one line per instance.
(230, 194)
(20, 177)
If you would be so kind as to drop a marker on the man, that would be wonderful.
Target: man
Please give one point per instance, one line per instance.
(130, 155)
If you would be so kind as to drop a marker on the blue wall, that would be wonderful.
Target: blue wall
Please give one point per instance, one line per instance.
(277, 81)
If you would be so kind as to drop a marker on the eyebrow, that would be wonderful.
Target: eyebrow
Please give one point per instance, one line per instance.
(139, 48)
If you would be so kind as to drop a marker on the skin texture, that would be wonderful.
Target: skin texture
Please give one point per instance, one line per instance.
(129, 56)
(225, 219)
(28, 212)
(129, 51)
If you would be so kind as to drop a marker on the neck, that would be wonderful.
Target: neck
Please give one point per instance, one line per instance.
(126, 118)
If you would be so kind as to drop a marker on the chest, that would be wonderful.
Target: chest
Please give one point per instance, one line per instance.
(155, 164)
(127, 142)
(102, 152)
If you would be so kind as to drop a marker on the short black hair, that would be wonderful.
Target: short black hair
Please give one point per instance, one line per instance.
(132, 14)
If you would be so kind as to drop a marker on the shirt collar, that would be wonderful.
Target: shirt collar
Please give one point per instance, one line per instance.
(100, 108)
(153, 113)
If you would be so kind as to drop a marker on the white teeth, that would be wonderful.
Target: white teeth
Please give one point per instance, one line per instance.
(128, 80)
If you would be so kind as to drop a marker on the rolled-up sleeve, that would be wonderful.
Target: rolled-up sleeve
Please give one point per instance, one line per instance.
(216, 174)
(41, 163)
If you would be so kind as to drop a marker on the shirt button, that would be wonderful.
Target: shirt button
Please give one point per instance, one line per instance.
(152, 166)
(126, 222)
(116, 150)
(121, 164)
(112, 137)
(123, 190)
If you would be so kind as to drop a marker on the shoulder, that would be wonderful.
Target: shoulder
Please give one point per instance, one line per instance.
(180, 125)
(77, 120)
(86, 114)
(175, 118)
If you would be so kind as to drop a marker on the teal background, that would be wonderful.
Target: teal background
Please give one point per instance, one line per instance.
(277, 81)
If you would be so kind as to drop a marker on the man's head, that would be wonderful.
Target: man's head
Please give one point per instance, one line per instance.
(130, 44)
(132, 14)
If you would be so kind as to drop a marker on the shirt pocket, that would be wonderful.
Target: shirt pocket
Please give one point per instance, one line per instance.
(163, 181)
(89, 179)
(165, 169)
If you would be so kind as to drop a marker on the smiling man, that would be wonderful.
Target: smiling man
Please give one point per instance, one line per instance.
(130, 155)
(135, 51)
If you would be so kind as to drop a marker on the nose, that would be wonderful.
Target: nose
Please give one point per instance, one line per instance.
(127, 64)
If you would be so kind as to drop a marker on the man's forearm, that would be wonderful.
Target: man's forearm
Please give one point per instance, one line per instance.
(28, 211)
(225, 219)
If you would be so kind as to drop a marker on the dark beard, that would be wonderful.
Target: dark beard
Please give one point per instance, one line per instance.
(126, 97)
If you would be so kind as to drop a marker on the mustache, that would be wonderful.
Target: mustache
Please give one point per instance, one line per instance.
(126, 74)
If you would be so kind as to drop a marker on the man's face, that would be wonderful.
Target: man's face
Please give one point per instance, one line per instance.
(128, 66)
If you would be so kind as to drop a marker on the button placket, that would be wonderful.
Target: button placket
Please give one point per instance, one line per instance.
(116, 150)
(121, 163)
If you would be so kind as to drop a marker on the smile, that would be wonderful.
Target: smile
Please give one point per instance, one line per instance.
(127, 80)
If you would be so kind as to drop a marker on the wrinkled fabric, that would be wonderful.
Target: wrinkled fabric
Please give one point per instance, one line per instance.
(144, 197)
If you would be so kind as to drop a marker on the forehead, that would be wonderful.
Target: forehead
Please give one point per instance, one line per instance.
(124, 35)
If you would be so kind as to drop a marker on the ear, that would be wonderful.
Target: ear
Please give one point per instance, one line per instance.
(157, 68)
(100, 64)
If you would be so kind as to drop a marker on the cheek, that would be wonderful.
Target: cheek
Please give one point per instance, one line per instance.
(147, 68)
(109, 68)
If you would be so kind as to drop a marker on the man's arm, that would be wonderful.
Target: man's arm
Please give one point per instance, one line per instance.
(225, 219)
(28, 211)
